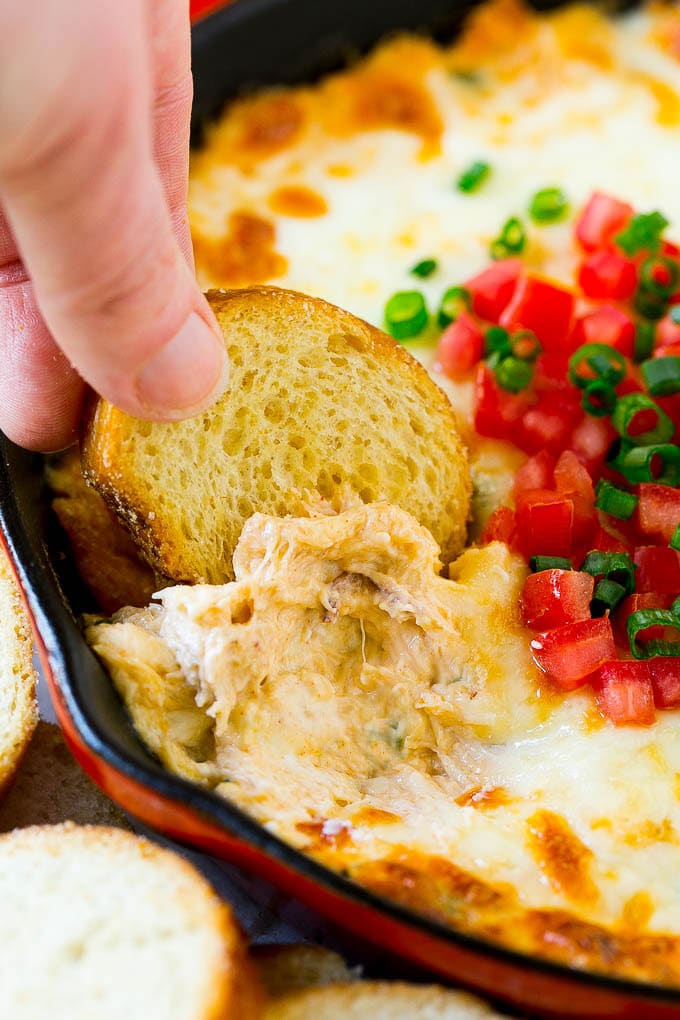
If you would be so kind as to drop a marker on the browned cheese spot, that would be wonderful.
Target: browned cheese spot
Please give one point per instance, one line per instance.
(269, 123)
(298, 201)
(484, 798)
(561, 856)
(245, 254)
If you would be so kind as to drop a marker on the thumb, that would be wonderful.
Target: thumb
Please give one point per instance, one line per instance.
(86, 206)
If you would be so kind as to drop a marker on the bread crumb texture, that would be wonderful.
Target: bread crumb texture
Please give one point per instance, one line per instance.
(18, 707)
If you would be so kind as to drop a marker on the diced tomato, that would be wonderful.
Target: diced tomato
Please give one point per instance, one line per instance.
(500, 527)
(624, 693)
(602, 218)
(546, 425)
(551, 374)
(590, 440)
(667, 335)
(606, 325)
(535, 473)
(543, 307)
(571, 654)
(492, 289)
(572, 480)
(608, 275)
(544, 523)
(658, 569)
(634, 602)
(665, 676)
(552, 598)
(671, 351)
(496, 412)
(460, 347)
(658, 511)
(606, 542)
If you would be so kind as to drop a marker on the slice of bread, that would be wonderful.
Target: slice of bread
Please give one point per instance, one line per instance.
(380, 1000)
(96, 922)
(51, 787)
(289, 968)
(18, 706)
(319, 403)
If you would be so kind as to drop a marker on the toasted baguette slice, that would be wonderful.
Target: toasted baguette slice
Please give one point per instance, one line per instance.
(289, 968)
(319, 402)
(51, 787)
(379, 1000)
(96, 922)
(18, 706)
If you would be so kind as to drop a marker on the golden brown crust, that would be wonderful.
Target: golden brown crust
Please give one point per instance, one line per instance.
(17, 677)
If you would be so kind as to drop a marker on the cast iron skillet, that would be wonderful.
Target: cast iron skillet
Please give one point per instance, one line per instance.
(255, 42)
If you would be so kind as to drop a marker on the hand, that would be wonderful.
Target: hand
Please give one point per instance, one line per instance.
(96, 269)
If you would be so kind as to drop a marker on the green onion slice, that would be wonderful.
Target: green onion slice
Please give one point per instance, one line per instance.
(639, 420)
(642, 233)
(538, 563)
(424, 268)
(611, 566)
(497, 341)
(473, 178)
(615, 501)
(607, 596)
(525, 345)
(599, 399)
(548, 205)
(661, 375)
(510, 241)
(675, 541)
(406, 314)
(596, 361)
(513, 374)
(659, 463)
(645, 335)
(659, 275)
(651, 306)
(454, 301)
(645, 618)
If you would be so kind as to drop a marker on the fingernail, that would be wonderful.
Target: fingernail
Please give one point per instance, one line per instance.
(187, 375)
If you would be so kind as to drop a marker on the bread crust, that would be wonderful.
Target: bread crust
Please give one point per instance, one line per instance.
(110, 435)
(17, 677)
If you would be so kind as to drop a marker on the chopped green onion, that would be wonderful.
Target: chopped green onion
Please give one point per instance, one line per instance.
(538, 563)
(675, 541)
(645, 335)
(674, 312)
(645, 618)
(612, 567)
(643, 232)
(406, 314)
(615, 501)
(599, 399)
(548, 205)
(660, 266)
(661, 375)
(513, 374)
(660, 463)
(675, 607)
(473, 178)
(626, 412)
(525, 345)
(606, 597)
(651, 306)
(510, 241)
(497, 341)
(605, 363)
(454, 301)
(425, 268)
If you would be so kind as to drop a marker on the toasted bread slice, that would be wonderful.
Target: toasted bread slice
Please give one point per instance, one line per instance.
(319, 403)
(51, 787)
(18, 706)
(105, 556)
(379, 1000)
(96, 922)
(288, 968)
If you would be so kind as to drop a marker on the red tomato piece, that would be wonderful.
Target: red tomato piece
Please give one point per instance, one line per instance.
(500, 527)
(606, 325)
(496, 412)
(552, 598)
(624, 693)
(608, 275)
(665, 676)
(460, 347)
(602, 218)
(545, 522)
(544, 308)
(535, 473)
(640, 600)
(572, 653)
(492, 289)
(658, 511)
(590, 440)
(606, 542)
(671, 351)
(658, 569)
(572, 480)
(545, 426)
(667, 335)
